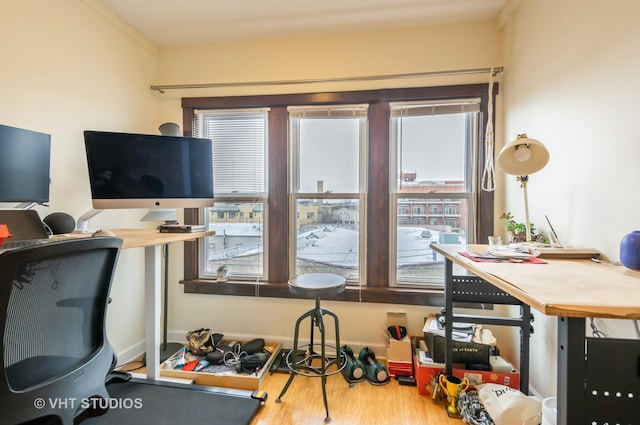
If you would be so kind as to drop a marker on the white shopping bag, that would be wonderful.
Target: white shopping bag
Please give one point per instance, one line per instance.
(507, 406)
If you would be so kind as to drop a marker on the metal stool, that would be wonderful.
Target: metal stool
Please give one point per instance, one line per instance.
(315, 285)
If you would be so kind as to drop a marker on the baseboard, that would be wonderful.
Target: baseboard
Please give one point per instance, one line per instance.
(131, 354)
(536, 394)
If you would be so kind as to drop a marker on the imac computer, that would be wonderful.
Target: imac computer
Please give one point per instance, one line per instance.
(24, 166)
(149, 171)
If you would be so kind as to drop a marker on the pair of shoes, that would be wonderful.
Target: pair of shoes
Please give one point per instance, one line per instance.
(375, 372)
(353, 370)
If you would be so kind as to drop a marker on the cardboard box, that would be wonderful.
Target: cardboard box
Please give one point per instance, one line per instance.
(240, 381)
(424, 373)
(398, 350)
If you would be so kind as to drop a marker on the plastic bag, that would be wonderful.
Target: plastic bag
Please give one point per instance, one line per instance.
(472, 410)
(507, 406)
(200, 341)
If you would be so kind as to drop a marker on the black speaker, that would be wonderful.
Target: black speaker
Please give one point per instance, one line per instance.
(60, 223)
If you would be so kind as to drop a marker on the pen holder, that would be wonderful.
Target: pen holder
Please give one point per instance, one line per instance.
(453, 387)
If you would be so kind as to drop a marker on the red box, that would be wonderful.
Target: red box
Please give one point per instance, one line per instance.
(399, 368)
(425, 373)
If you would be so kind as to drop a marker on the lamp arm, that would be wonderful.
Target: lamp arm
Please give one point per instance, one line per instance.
(523, 184)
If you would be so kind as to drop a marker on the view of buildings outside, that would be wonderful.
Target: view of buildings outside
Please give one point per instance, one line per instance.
(328, 234)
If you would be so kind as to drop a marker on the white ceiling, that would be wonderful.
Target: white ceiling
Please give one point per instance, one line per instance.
(180, 22)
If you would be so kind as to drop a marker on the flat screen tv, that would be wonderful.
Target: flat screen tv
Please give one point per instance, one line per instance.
(149, 171)
(25, 157)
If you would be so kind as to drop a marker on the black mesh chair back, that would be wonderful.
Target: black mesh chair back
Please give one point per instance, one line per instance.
(55, 352)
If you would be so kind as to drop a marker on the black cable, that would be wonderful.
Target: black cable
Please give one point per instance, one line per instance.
(123, 367)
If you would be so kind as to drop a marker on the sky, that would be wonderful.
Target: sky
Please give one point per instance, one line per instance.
(433, 146)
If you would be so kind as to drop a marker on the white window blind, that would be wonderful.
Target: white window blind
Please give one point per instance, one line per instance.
(341, 111)
(239, 149)
(413, 109)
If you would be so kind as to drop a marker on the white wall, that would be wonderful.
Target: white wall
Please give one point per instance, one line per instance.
(571, 81)
(65, 68)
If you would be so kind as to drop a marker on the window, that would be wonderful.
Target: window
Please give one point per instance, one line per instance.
(432, 149)
(327, 147)
(380, 198)
(240, 175)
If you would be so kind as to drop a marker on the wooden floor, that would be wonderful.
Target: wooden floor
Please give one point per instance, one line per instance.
(363, 404)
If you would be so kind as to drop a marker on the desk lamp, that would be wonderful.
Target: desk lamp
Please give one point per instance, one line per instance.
(520, 158)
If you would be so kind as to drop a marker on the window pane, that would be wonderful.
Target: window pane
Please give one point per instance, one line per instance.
(328, 157)
(239, 146)
(239, 239)
(420, 222)
(431, 149)
(328, 236)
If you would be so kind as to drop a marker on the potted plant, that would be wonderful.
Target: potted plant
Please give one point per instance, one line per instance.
(222, 273)
(518, 231)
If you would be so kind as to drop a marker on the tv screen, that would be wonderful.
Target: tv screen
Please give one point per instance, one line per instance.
(24, 165)
(148, 171)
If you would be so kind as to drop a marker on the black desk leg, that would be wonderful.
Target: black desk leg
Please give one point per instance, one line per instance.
(448, 316)
(525, 337)
(571, 371)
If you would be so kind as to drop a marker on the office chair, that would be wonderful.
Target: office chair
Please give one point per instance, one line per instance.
(55, 352)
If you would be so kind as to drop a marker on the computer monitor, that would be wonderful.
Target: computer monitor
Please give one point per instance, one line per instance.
(24, 165)
(149, 171)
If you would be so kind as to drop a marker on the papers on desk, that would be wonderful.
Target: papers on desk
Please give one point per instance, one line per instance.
(506, 252)
(502, 254)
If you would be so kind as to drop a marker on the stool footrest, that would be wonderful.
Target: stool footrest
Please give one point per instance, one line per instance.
(303, 365)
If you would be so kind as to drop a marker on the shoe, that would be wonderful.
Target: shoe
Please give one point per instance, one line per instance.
(353, 370)
(375, 372)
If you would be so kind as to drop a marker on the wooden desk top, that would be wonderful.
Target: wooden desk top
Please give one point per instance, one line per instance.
(136, 238)
(572, 288)
(139, 238)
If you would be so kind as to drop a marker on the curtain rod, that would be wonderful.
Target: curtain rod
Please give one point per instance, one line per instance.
(493, 70)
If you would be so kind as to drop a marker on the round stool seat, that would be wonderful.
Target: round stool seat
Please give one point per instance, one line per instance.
(317, 284)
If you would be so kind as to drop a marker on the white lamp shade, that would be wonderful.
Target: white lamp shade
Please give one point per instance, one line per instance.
(523, 156)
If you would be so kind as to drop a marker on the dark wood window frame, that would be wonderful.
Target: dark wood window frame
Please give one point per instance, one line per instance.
(377, 289)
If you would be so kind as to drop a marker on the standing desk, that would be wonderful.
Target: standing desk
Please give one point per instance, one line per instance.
(152, 240)
(573, 290)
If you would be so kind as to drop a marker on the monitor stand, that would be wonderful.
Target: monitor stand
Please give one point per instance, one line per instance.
(168, 215)
(28, 205)
(82, 223)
